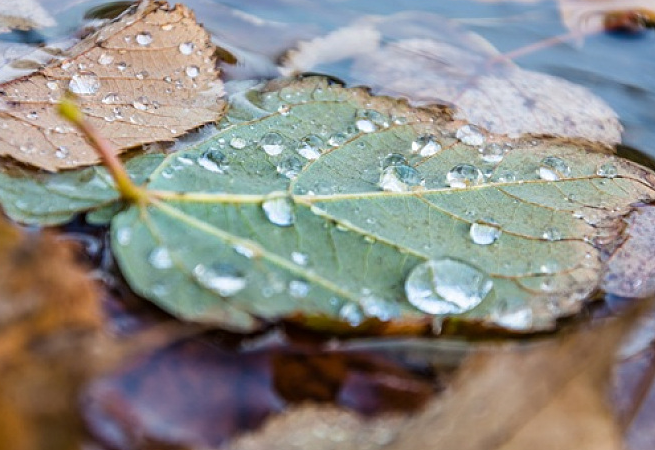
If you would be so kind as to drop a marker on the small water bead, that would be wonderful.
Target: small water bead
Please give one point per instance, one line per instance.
(192, 71)
(365, 126)
(553, 168)
(400, 179)
(470, 135)
(298, 289)
(446, 286)
(142, 75)
(284, 110)
(238, 143)
(279, 210)
(52, 85)
(214, 161)
(300, 258)
(351, 313)
(381, 309)
(517, 319)
(338, 139)
(124, 236)
(110, 98)
(272, 143)
(160, 258)
(552, 234)
(105, 59)
(506, 176)
(62, 152)
(144, 38)
(186, 48)
(121, 66)
(32, 115)
(485, 232)
(426, 145)
(607, 170)
(492, 153)
(393, 159)
(290, 167)
(464, 175)
(141, 103)
(310, 147)
(224, 279)
(84, 83)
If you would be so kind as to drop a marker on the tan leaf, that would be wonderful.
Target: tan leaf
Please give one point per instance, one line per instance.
(150, 76)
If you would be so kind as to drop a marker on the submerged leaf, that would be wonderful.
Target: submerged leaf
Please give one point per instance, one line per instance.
(150, 76)
(319, 201)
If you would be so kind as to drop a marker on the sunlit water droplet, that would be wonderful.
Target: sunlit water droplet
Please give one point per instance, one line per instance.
(186, 48)
(279, 210)
(144, 38)
(214, 161)
(310, 147)
(426, 145)
(485, 232)
(446, 286)
(400, 179)
(464, 175)
(470, 135)
(223, 279)
(160, 258)
(365, 126)
(289, 167)
(84, 83)
(607, 170)
(553, 168)
(272, 143)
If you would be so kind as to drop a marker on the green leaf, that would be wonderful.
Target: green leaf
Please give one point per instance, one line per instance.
(228, 239)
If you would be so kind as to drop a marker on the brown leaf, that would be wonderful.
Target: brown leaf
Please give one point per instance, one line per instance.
(150, 76)
(49, 317)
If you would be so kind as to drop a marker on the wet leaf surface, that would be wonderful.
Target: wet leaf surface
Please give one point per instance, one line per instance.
(150, 76)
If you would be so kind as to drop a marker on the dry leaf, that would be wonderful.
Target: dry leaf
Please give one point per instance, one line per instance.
(49, 317)
(429, 64)
(587, 16)
(24, 15)
(150, 76)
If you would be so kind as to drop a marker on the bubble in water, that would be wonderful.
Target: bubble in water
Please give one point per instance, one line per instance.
(310, 147)
(446, 286)
(607, 170)
(214, 161)
(552, 234)
(272, 143)
(300, 258)
(400, 179)
(186, 48)
(298, 289)
(553, 168)
(279, 210)
(160, 258)
(492, 153)
(289, 167)
(192, 71)
(393, 159)
(224, 279)
(485, 232)
(464, 175)
(426, 145)
(105, 59)
(84, 83)
(238, 143)
(144, 38)
(470, 135)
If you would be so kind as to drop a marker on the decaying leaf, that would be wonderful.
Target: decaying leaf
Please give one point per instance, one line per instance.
(428, 64)
(320, 201)
(23, 15)
(49, 317)
(149, 76)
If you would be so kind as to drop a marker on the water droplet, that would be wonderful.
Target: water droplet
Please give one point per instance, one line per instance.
(160, 258)
(192, 71)
(214, 161)
(84, 83)
(32, 115)
(607, 170)
(124, 235)
(141, 103)
(553, 168)
(284, 110)
(365, 126)
(110, 98)
(298, 289)
(517, 319)
(426, 145)
(186, 48)
(464, 175)
(506, 176)
(62, 152)
(300, 258)
(446, 286)
(105, 59)
(374, 306)
(144, 38)
(393, 159)
(52, 85)
(492, 153)
(272, 143)
(289, 167)
(121, 66)
(552, 234)
(338, 139)
(310, 147)
(470, 135)
(142, 75)
(352, 314)
(279, 210)
(400, 179)
(485, 232)
(223, 279)
(244, 250)
(238, 143)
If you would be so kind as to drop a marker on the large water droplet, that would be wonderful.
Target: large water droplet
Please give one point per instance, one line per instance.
(553, 168)
(186, 48)
(310, 147)
(214, 161)
(289, 167)
(492, 153)
(223, 279)
(84, 83)
(607, 170)
(272, 143)
(464, 175)
(160, 258)
(446, 286)
(279, 210)
(144, 38)
(400, 179)
(485, 232)
(470, 135)
(426, 145)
